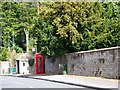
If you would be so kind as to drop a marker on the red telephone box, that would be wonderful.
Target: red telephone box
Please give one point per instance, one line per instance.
(39, 67)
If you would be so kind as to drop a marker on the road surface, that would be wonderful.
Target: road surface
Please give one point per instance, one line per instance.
(17, 82)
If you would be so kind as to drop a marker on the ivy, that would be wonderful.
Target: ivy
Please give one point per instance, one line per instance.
(31, 62)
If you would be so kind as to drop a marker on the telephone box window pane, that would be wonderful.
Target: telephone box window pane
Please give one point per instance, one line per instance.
(39, 64)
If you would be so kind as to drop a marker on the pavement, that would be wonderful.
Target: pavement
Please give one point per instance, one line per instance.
(88, 82)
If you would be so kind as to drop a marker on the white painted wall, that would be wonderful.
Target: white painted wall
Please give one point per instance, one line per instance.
(23, 69)
(4, 67)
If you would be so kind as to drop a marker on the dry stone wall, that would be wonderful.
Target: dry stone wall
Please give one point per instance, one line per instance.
(52, 65)
(99, 63)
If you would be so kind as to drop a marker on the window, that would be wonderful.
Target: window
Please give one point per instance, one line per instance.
(23, 64)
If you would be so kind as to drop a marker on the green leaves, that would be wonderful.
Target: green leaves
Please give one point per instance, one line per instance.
(62, 27)
(3, 54)
(31, 62)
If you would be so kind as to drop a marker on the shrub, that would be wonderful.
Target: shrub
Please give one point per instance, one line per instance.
(31, 62)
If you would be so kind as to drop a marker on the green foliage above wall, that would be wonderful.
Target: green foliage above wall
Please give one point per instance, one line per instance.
(61, 27)
(31, 62)
(3, 54)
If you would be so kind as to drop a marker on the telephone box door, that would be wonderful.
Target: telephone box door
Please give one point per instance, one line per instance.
(39, 64)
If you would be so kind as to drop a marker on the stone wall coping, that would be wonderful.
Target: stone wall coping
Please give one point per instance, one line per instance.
(96, 50)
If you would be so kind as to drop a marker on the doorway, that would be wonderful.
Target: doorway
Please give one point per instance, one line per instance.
(18, 68)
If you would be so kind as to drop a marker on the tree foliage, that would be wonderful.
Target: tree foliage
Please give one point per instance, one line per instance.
(4, 54)
(61, 27)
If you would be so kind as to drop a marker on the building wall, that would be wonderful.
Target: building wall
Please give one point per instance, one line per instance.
(4, 67)
(23, 69)
(99, 63)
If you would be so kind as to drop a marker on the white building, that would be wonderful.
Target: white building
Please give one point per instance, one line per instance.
(22, 66)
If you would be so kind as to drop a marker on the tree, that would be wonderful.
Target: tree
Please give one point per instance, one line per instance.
(62, 27)
(4, 54)
(15, 18)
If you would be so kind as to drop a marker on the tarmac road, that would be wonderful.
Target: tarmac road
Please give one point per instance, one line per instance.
(17, 82)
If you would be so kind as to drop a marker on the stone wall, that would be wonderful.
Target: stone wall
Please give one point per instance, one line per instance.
(99, 63)
(31, 69)
(52, 65)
